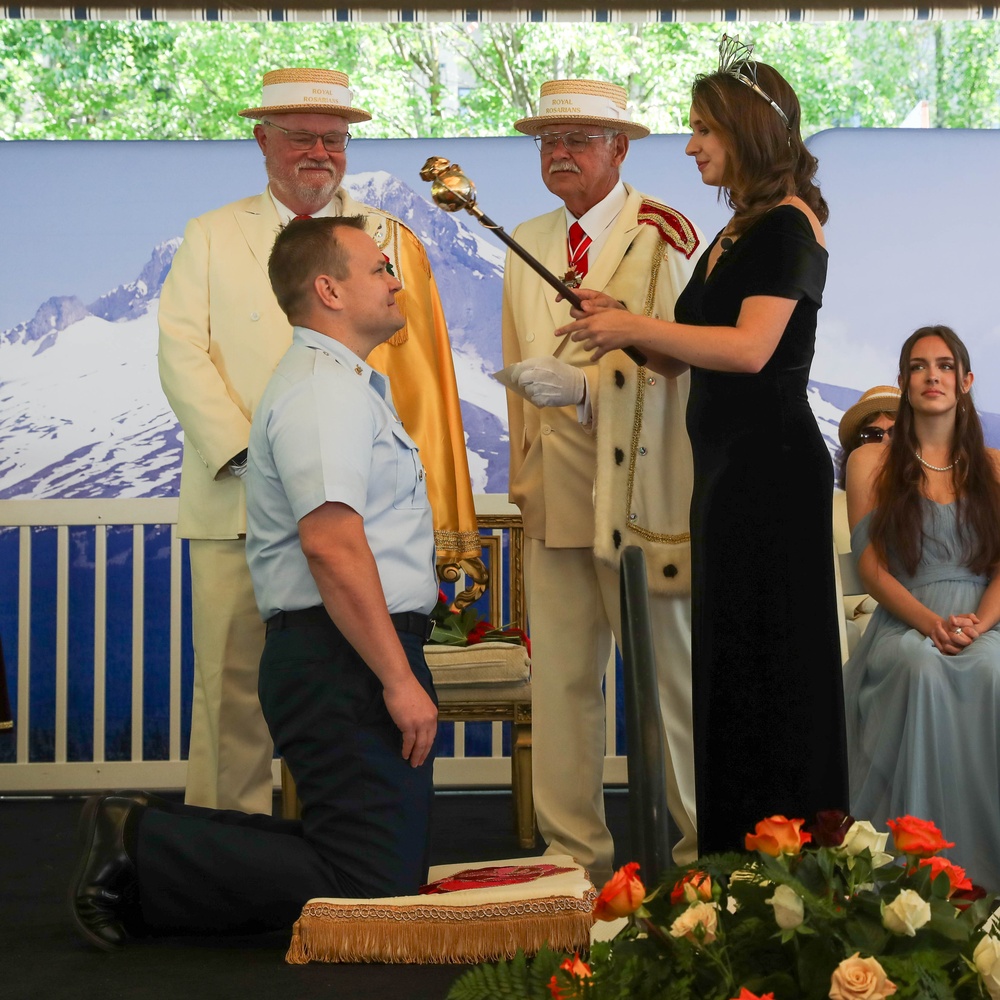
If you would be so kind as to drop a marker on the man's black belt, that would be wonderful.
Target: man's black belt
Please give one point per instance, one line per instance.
(413, 622)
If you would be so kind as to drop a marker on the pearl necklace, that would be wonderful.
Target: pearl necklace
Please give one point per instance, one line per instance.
(936, 468)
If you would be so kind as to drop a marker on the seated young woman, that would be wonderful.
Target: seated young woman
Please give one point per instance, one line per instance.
(922, 688)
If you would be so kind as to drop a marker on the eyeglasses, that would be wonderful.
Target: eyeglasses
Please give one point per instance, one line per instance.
(575, 142)
(333, 142)
(872, 434)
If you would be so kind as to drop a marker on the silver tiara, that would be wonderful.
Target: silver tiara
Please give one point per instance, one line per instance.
(736, 60)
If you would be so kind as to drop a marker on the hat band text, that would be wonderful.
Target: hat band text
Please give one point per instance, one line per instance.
(580, 105)
(278, 95)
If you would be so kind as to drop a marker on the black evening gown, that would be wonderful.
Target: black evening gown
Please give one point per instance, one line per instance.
(767, 687)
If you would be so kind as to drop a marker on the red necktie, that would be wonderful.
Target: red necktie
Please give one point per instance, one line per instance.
(578, 243)
(298, 217)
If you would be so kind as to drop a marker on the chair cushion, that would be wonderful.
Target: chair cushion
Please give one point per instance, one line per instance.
(465, 925)
(486, 663)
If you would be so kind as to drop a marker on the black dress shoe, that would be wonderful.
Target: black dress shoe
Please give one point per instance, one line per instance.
(104, 885)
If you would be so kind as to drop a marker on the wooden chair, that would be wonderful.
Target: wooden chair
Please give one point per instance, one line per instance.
(488, 682)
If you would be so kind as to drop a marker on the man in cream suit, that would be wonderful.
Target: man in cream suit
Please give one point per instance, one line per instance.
(221, 335)
(599, 459)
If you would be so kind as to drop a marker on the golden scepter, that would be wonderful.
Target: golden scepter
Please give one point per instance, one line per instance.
(452, 190)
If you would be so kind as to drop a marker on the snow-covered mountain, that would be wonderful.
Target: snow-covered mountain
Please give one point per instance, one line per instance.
(82, 413)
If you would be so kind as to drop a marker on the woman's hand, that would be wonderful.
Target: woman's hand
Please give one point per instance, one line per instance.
(606, 330)
(953, 635)
(592, 301)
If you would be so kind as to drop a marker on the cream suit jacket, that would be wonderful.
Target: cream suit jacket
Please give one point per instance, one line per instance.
(646, 261)
(222, 334)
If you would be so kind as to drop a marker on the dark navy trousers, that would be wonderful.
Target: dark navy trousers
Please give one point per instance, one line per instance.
(365, 810)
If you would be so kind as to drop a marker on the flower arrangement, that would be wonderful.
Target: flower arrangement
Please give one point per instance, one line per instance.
(467, 627)
(806, 914)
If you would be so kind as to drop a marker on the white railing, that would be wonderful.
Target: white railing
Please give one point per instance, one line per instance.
(50, 764)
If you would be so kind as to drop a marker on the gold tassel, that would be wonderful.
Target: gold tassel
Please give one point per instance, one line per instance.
(435, 935)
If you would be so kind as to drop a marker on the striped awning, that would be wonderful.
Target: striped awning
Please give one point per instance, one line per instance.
(554, 11)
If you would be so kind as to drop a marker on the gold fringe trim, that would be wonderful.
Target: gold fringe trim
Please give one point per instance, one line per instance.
(453, 546)
(7, 724)
(399, 338)
(343, 934)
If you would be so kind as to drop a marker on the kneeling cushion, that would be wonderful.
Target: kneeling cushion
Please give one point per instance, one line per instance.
(521, 903)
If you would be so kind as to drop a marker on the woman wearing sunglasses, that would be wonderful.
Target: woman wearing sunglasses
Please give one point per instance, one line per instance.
(923, 686)
(868, 421)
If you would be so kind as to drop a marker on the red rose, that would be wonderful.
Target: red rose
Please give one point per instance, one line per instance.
(478, 631)
(963, 898)
(917, 837)
(778, 835)
(830, 827)
(956, 875)
(745, 994)
(694, 887)
(622, 894)
(578, 969)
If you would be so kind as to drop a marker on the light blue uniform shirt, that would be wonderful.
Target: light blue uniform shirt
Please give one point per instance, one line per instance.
(326, 430)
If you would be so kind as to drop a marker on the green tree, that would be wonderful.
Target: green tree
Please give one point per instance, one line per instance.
(138, 80)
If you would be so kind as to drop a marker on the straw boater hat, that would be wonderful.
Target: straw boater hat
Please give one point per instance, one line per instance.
(316, 91)
(880, 399)
(589, 102)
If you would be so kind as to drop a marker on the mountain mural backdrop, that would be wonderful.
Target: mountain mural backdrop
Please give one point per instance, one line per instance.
(82, 414)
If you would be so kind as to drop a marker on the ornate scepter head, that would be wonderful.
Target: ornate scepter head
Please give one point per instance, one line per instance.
(450, 188)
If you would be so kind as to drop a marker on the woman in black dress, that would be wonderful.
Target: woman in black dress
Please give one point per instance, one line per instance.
(767, 688)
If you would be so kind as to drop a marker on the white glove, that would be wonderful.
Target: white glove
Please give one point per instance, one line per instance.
(549, 382)
(238, 464)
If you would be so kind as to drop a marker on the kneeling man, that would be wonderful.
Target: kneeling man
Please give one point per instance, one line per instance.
(340, 546)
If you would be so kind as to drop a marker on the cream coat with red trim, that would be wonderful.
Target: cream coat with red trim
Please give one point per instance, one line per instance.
(555, 462)
(222, 334)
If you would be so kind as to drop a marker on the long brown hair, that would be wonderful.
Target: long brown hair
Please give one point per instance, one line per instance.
(897, 522)
(766, 161)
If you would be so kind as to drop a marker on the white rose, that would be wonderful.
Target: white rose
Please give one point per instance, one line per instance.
(698, 923)
(987, 959)
(788, 908)
(862, 834)
(907, 913)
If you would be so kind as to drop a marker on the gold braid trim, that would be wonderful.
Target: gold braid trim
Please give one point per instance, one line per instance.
(453, 546)
(374, 932)
(673, 228)
(387, 235)
(640, 394)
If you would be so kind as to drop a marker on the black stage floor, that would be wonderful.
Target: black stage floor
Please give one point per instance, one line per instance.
(42, 958)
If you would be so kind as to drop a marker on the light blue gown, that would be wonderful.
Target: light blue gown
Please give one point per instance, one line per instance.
(923, 729)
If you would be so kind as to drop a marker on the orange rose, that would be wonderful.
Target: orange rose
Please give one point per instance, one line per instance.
(694, 887)
(778, 835)
(578, 969)
(956, 876)
(917, 837)
(745, 994)
(622, 894)
(859, 978)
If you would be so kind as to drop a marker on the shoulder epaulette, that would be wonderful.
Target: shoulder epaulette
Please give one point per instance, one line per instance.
(673, 227)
